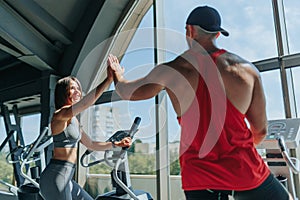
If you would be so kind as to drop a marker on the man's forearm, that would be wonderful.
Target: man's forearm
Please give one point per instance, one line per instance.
(121, 88)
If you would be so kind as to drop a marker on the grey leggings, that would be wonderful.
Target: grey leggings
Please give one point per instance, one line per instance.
(56, 182)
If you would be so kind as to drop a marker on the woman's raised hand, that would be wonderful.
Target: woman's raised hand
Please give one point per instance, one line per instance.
(114, 65)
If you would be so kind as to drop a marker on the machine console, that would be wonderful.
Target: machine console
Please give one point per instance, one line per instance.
(288, 128)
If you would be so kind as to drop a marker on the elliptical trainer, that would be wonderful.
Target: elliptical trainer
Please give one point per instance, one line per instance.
(120, 173)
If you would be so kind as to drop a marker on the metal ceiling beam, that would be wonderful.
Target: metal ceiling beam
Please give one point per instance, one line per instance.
(79, 36)
(266, 65)
(99, 37)
(24, 90)
(292, 60)
(43, 20)
(8, 63)
(35, 48)
(122, 22)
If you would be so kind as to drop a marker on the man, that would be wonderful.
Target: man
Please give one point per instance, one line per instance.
(213, 92)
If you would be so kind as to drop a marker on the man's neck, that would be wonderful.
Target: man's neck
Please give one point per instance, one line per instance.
(204, 47)
(204, 50)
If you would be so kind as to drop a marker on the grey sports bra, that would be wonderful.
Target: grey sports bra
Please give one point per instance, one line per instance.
(69, 137)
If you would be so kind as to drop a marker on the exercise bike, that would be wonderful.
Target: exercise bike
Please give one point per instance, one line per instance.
(117, 159)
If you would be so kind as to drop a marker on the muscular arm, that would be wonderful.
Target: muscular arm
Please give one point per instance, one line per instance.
(139, 89)
(143, 88)
(256, 113)
(179, 77)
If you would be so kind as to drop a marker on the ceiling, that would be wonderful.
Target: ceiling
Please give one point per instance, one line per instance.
(41, 40)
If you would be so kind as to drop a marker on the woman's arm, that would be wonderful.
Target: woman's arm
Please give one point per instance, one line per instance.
(61, 116)
(86, 101)
(102, 146)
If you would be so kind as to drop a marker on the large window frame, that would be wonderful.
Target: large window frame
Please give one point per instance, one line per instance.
(283, 62)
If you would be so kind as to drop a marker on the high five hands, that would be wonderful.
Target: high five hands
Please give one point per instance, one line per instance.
(114, 66)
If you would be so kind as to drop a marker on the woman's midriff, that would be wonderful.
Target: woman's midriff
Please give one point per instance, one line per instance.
(66, 154)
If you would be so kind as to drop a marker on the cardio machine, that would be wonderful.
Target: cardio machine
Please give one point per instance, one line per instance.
(117, 159)
(282, 152)
(12, 193)
(29, 154)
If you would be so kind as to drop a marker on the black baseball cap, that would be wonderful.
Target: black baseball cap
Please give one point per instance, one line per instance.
(207, 18)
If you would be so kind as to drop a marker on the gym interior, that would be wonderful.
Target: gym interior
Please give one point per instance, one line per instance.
(44, 40)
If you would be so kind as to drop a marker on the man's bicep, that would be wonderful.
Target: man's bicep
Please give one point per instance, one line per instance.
(151, 84)
(146, 91)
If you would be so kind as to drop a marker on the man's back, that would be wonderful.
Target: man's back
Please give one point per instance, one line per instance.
(239, 77)
(241, 81)
(215, 141)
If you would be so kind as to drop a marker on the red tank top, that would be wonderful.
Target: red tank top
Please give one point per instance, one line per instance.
(216, 146)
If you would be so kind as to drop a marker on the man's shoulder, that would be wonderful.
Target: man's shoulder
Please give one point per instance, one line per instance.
(181, 59)
(232, 60)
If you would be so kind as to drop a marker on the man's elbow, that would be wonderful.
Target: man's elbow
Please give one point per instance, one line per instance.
(259, 135)
(126, 92)
(263, 131)
(122, 91)
(124, 96)
(130, 96)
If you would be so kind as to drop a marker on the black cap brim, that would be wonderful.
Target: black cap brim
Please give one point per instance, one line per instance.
(224, 32)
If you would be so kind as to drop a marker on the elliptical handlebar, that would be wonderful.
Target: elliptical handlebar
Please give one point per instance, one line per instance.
(120, 182)
(134, 127)
(19, 152)
(10, 134)
(292, 162)
(86, 153)
(27, 157)
(118, 136)
(26, 152)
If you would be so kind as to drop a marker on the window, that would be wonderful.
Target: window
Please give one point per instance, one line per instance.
(30, 125)
(141, 156)
(6, 170)
(252, 36)
(110, 117)
(273, 91)
(30, 129)
(251, 27)
(291, 8)
(2, 130)
(296, 73)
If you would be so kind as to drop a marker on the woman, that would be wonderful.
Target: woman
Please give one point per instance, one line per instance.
(56, 180)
